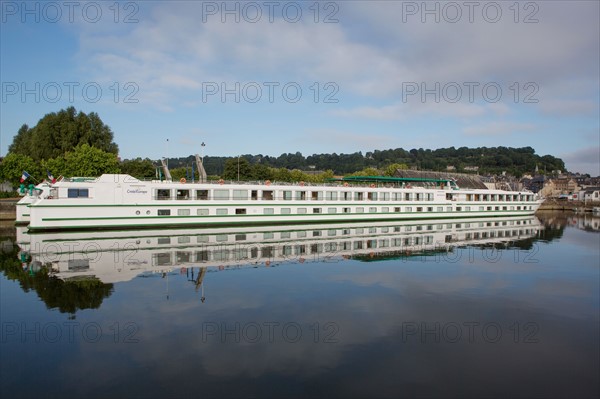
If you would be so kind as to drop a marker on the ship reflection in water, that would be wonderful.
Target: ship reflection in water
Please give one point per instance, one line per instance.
(502, 307)
(120, 256)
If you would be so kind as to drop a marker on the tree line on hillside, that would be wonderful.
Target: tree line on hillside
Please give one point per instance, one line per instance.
(486, 160)
(72, 143)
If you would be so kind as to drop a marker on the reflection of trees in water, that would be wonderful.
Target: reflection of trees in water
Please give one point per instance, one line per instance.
(555, 223)
(66, 296)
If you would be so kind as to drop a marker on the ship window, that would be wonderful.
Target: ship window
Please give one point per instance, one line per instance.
(467, 208)
(385, 196)
(316, 195)
(331, 210)
(240, 194)
(408, 209)
(347, 196)
(372, 196)
(254, 195)
(78, 193)
(286, 211)
(429, 209)
(372, 209)
(360, 210)
(408, 197)
(202, 194)
(346, 210)
(458, 209)
(221, 211)
(182, 257)
(267, 195)
(164, 212)
(240, 211)
(183, 240)
(221, 194)
(385, 209)
(301, 210)
(202, 212)
(183, 194)
(419, 209)
(162, 259)
(287, 195)
(330, 195)
(183, 212)
(358, 196)
(163, 194)
(440, 209)
(269, 211)
(163, 240)
(301, 195)
(397, 209)
(316, 210)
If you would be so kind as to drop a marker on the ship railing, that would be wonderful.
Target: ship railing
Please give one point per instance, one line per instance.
(305, 184)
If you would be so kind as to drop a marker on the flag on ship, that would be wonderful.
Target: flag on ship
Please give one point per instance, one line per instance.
(24, 176)
(50, 177)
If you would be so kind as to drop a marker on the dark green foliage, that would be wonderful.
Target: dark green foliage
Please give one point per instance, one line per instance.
(59, 132)
(66, 296)
(139, 168)
(492, 160)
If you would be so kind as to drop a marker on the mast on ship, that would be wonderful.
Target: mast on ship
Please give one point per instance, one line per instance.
(166, 170)
(201, 171)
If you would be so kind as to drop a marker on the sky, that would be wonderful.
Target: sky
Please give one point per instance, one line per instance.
(273, 77)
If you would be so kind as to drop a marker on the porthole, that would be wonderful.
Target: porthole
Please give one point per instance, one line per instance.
(137, 212)
(147, 212)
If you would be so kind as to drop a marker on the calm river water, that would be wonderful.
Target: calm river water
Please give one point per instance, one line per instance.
(480, 308)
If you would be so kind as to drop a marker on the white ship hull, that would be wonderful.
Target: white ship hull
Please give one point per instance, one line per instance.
(119, 201)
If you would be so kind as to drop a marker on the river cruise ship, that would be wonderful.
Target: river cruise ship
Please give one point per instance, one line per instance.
(118, 201)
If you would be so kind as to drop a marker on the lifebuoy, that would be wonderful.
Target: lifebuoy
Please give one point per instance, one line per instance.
(302, 184)
(372, 185)
(268, 182)
(221, 181)
(345, 184)
(182, 180)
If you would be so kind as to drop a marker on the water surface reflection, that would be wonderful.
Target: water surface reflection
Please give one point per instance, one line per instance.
(499, 307)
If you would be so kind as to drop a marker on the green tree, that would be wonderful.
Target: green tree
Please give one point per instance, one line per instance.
(59, 132)
(235, 167)
(13, 166)
(84, 160)
(391, 169)
(139, 168)
(261, 171)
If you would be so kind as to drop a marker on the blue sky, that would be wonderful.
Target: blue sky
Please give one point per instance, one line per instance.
(315, 77)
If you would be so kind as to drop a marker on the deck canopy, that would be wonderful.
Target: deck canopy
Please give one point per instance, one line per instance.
(401, 181)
